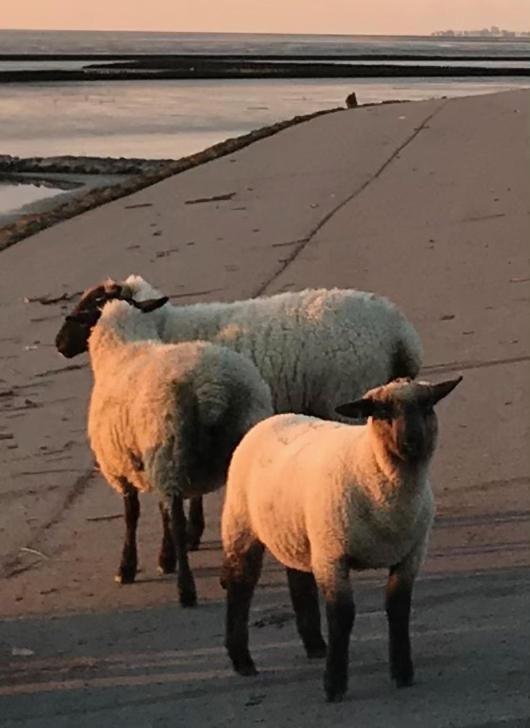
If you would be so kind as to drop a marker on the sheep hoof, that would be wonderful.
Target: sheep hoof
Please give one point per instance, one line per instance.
(125, 577)
(246, 668)
(335, 689)
(166, 568)
(405, 681)
(188, 598)
(193, 543)
(316, 653)
(334, 696)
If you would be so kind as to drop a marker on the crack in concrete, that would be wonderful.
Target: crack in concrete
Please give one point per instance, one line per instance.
(453, 366)
(285, 263)
(305, 241)
(11, 565)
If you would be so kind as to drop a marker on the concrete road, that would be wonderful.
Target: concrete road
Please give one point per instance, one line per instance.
(428, 203)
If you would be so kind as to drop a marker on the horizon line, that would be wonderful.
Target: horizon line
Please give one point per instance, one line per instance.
(222, 32)
(432, 33)
(275, 32)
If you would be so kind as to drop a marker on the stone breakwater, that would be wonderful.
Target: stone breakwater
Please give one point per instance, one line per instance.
(66, 164)
(140, 173)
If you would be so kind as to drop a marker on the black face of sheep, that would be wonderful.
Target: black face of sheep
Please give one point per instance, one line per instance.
(74, 334)
(403, 415)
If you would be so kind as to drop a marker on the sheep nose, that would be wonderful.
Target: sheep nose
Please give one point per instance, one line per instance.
(60, 344)
(413, 439)
(66, 344)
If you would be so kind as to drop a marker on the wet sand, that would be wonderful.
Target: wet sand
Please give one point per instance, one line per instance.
(427, 203)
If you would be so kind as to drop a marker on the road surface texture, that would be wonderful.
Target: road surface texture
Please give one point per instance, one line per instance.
(427, 203)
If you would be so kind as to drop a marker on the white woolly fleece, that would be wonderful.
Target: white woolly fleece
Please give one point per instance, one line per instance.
(315, 492)
(314, 348)
(153, 405)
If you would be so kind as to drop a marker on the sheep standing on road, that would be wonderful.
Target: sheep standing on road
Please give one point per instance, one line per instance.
(314, 348)
(162, 417)
(326, 498)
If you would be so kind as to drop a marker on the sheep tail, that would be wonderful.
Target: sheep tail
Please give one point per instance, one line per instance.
(408, 354)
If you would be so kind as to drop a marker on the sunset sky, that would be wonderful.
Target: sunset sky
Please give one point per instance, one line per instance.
(267, 16)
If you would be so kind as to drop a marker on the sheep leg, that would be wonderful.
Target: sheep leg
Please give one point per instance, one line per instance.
(397, 604)
(185, 581)
(195, 524)
(129, 558)
(241, 572)
(304, 597)
(340, 612)
(167, 558)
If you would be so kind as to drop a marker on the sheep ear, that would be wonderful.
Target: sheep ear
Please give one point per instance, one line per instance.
(113, 290)
(441, 390)
(360, 409)
(150, 305)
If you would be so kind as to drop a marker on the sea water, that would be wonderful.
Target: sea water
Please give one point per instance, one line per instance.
(170, 119)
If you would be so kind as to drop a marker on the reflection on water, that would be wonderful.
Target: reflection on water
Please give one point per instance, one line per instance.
(42, 65)
(17, 192)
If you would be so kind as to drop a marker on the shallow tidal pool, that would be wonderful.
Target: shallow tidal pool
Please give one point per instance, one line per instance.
(15, 194)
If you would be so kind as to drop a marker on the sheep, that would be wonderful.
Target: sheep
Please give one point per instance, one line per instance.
(162, 417)
(325, 498)
(314, 348)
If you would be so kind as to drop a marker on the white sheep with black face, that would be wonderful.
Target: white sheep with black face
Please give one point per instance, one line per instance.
(162, 417)
(314, 348)
(326, 498)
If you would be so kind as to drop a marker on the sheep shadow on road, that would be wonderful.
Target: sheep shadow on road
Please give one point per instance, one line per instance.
(167, 666)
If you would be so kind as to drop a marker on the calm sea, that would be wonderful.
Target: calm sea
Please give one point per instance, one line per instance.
(93, 42)
(174, 118)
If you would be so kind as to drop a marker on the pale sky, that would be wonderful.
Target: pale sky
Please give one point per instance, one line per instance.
(267, 16)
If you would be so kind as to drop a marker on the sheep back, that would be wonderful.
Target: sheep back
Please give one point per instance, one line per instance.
(315, 348)
(311, 491)
(168, 417)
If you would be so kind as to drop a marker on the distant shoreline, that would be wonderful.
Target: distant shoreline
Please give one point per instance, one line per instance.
(433, 36)
(93, 57)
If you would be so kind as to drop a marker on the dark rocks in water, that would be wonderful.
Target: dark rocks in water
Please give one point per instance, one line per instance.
(79, 165)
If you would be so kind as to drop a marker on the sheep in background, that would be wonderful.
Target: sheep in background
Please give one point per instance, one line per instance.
(314, 348)
(162, 417)
(326, 498)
